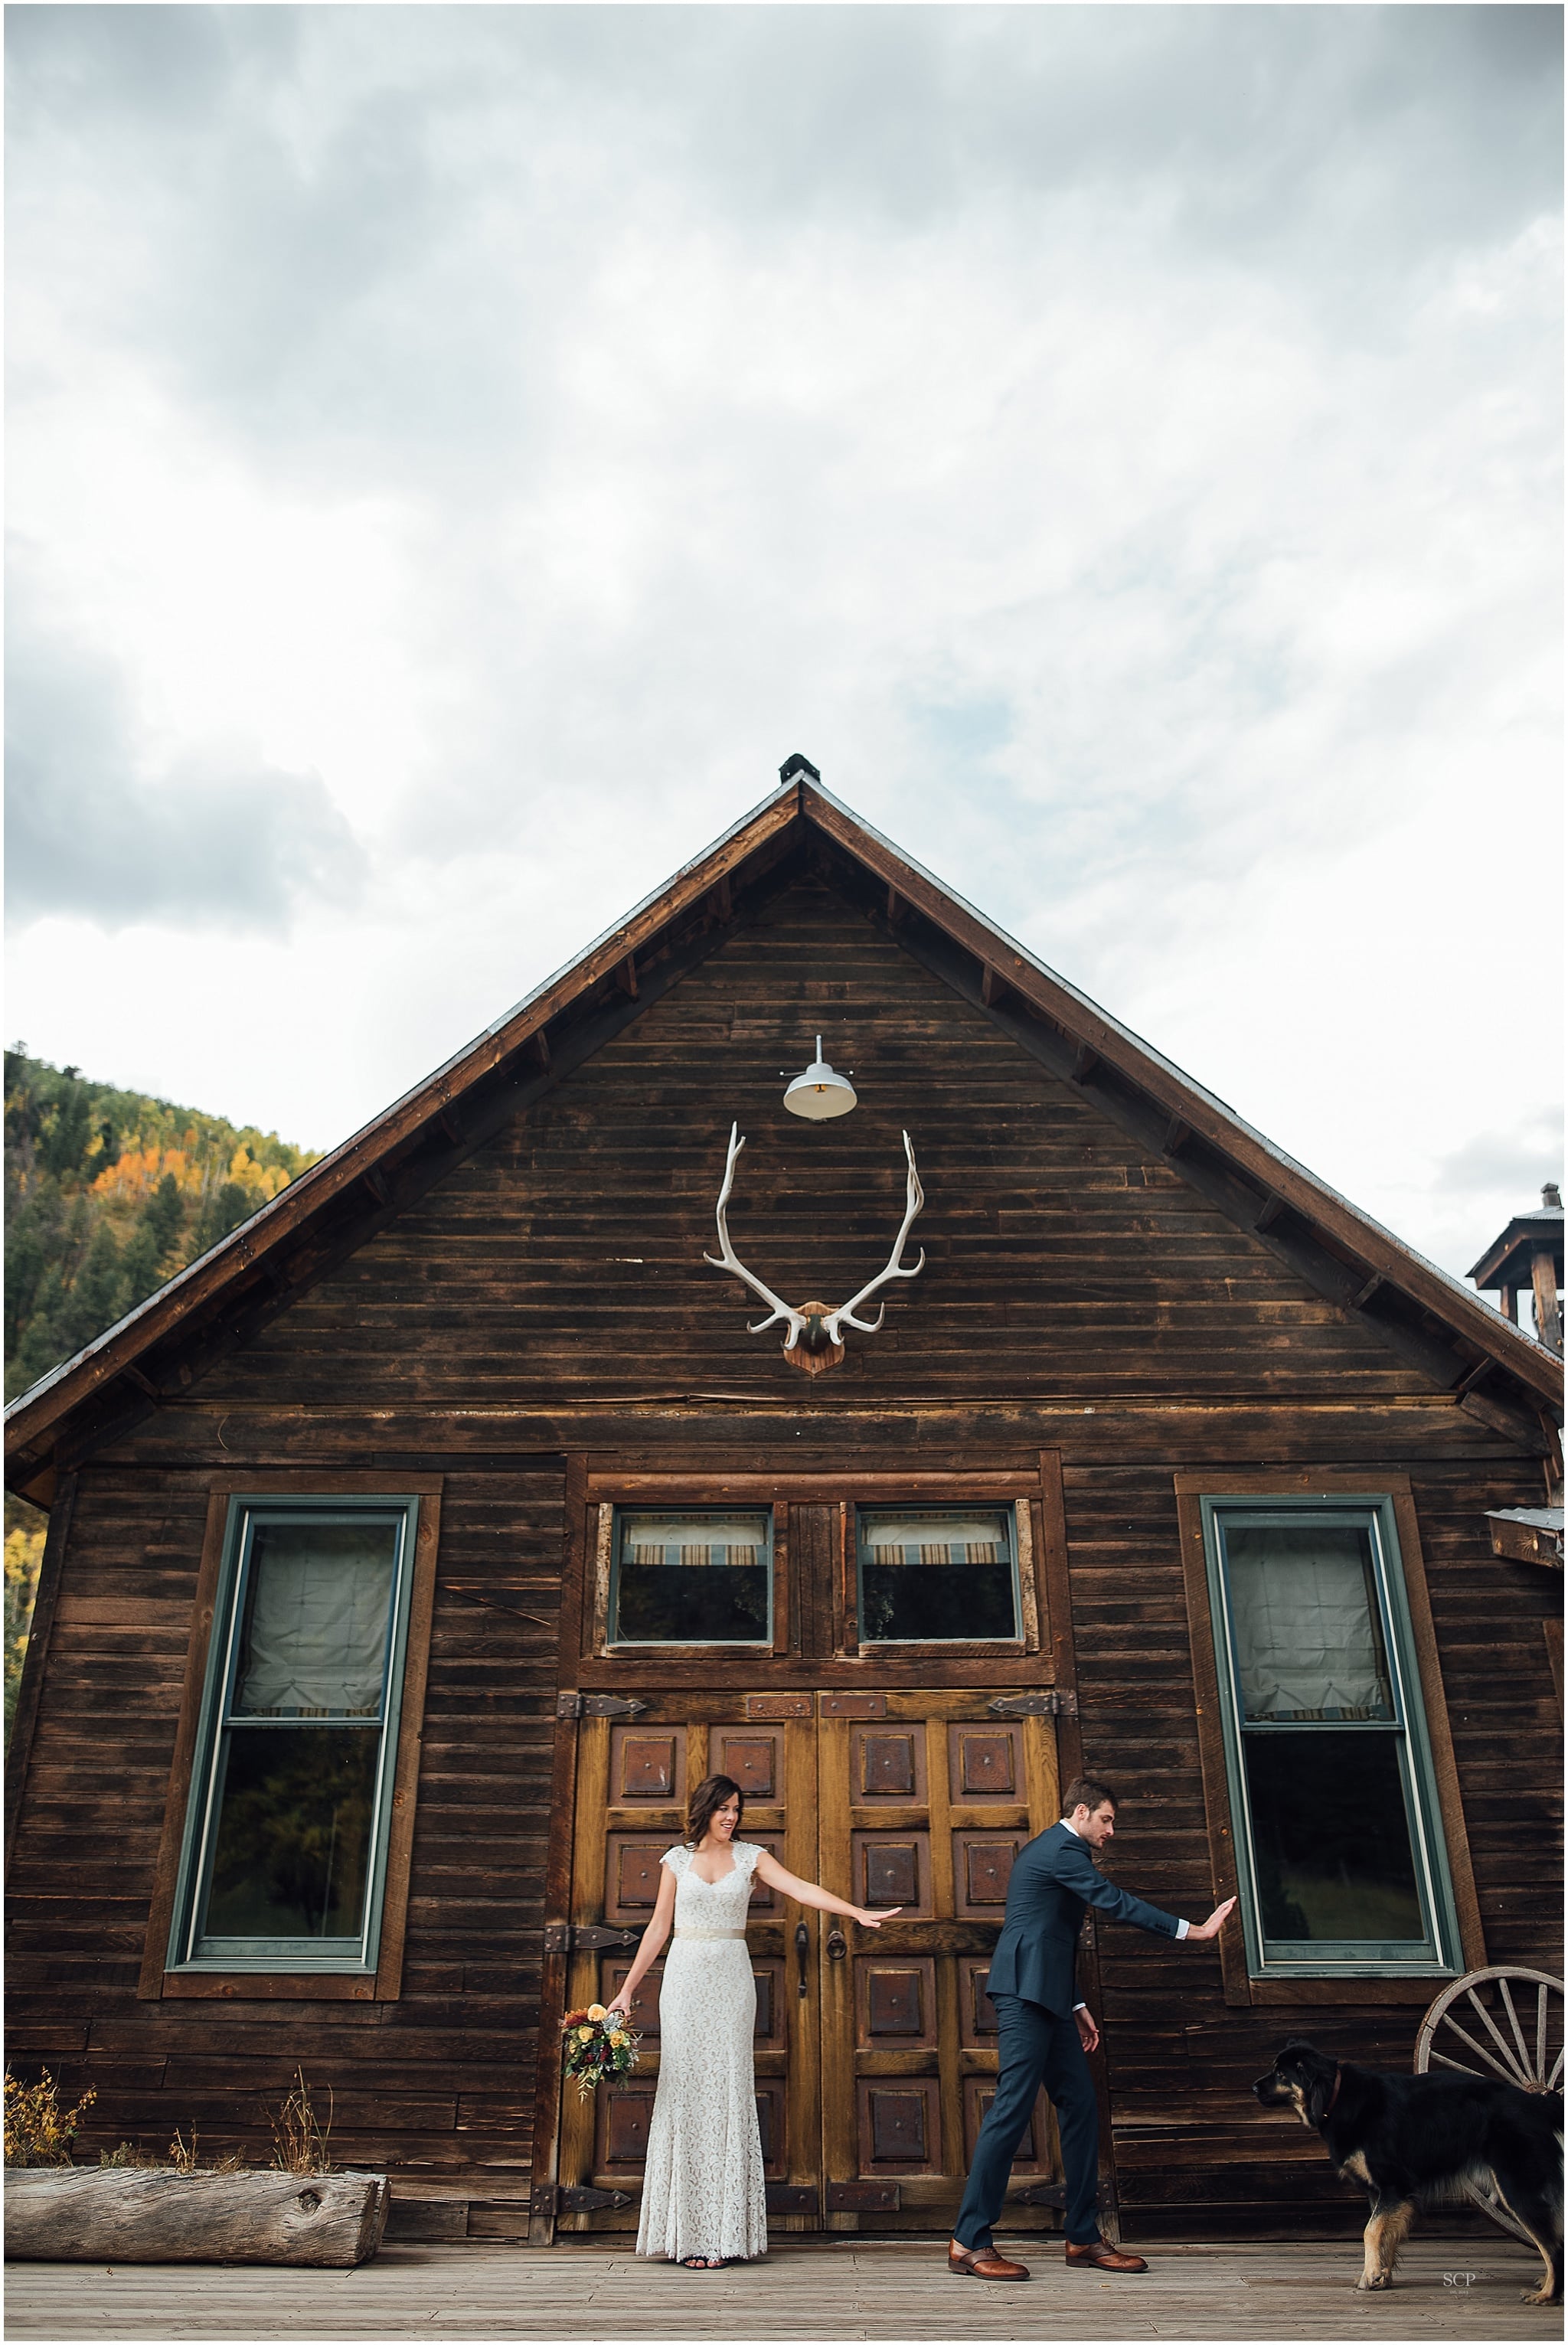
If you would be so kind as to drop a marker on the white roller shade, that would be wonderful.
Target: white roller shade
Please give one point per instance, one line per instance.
(318, 1612)
(1305, 1640)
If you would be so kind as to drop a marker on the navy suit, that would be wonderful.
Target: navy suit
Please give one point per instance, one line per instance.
(1032, 1983)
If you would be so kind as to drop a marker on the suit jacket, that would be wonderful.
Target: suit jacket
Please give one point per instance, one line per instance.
(1054, 1878)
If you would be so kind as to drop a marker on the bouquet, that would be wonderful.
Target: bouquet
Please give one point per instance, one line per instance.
(596, 2045)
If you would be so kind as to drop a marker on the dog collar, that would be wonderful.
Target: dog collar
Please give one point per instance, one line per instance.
(1335, 2094)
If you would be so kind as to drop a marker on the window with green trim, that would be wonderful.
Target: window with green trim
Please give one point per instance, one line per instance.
(1339, 1850)
(283, 1859)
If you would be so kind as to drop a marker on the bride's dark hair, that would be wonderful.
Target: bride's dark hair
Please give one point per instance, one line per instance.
(712, 1794)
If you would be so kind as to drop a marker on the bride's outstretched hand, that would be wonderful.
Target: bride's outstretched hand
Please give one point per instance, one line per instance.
(621, 2003)
(875, 1921)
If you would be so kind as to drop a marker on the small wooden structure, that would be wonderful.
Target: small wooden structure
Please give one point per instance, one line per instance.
(1529, 1254)
(411, 1554)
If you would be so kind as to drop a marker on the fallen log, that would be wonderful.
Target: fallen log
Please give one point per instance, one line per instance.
(86, 2214)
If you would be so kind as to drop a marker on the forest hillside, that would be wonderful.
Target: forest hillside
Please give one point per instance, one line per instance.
(107, 1193)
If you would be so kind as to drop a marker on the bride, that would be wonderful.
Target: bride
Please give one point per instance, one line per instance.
(703, 2197)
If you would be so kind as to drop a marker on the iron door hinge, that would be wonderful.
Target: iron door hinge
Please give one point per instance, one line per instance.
(1040, 2194)
(1059, 1703)
(598, 1705)
(587, 1938)
(791, 2198)
(556, 2198)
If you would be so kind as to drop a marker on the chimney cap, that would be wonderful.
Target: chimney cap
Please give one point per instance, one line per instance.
(1552, 1197)
(798, 764)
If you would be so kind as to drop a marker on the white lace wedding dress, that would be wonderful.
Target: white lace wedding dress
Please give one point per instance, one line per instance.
(702, 2186)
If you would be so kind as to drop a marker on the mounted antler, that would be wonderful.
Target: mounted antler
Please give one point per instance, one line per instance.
(814, 1334)
(727, 1259)
(844, 1317)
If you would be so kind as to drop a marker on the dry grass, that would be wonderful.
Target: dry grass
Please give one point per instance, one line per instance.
(299, 2139)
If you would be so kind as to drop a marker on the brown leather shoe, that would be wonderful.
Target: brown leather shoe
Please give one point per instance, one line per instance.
(982, 2263)
(1103, 2256)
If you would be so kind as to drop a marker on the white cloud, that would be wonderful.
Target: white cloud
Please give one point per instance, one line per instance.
(1119, 446)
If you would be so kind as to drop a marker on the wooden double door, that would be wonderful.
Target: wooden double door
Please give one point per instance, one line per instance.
(875, 2049)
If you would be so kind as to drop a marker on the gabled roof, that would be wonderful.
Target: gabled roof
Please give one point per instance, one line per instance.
(1425, 1315)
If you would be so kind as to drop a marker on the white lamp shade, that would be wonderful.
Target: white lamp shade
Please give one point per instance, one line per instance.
(819, 1092)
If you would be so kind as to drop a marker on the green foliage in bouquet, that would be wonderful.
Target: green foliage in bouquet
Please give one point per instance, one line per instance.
(597, 2048)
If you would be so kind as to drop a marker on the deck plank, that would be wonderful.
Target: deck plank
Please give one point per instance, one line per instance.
(852, 2289)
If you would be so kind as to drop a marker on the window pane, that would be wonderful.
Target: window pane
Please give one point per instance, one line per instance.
(692, 1579)
(1304, 1612)
(1330, 1841)
(927, 1574)
(318, 1613)
(293, 1839)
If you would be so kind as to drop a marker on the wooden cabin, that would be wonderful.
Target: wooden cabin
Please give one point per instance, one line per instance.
(412, 1553)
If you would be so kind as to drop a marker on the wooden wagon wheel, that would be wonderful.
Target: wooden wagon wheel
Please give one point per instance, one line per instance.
(1464, 2029)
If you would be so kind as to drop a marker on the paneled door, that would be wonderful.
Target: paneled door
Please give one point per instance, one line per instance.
(633, 1781)
(875, 2050)
(924, 1800)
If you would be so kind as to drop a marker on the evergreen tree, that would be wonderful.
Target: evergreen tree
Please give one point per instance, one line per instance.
(44, 1341)
(225, 1211)
(164, 1215)
(63, 1142)
(35, 1235)
(139, 1272)
(97, 1292)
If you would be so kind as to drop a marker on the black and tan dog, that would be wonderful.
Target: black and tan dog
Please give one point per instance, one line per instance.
(1414, 2140)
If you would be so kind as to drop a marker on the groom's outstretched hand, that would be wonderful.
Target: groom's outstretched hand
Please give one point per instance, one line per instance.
(1215, 1924)
(1089, 2033)
(875, 1921)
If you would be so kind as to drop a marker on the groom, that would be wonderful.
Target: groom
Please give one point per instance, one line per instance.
(1044, 2031)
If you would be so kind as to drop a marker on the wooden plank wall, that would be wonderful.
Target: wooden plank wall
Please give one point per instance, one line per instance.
(563, 1261)
(440, 2082)
(548, 1296)
(1191, 2146)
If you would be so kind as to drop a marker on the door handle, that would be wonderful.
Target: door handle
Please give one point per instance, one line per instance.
(802, 1948)
(837, 1949)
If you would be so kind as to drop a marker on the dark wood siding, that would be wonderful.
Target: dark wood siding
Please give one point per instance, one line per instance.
(549, 1296)
(563, 1260)
(439, 2082)
(1191, 2146)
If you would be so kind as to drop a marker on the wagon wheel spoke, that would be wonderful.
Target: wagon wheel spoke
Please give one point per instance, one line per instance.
(1510, 2072)
(1541, 2032)
(1461, 2067)
(1480, 2050)
(1524, 2067)
(1553, 2080)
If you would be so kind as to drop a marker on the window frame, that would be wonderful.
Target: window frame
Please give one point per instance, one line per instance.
(1013, 1516)
(289, 1973)
(814, 1579)
(764, 1643)
(1431, 1771)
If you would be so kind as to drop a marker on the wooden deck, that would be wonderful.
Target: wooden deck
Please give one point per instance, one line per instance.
(857, 2289)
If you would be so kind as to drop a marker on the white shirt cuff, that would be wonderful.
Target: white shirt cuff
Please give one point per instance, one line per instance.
(1080, 2007)
(1182, 1928)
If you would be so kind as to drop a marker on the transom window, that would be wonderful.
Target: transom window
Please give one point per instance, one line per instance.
(286, 1829)
(932, 1575)
(692, 1578)
(1339, 1850)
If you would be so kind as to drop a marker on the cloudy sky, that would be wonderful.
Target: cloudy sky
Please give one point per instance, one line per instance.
(458, 452)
